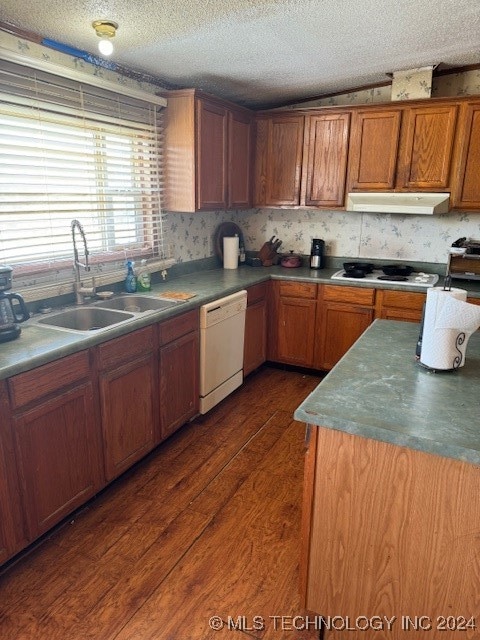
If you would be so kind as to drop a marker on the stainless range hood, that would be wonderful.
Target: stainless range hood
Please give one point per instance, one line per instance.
(405, 203)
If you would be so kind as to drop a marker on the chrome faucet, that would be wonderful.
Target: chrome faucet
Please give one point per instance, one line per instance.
(80, 290)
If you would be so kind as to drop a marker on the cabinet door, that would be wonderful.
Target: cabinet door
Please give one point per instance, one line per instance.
(12, 533)
(239, 160)
(284, 160)
(128, 403)
(343, 315)
(326, 159)
(428, 147)
(399, 305)
(179, 393)
(341, 326)
(211, 156)
(296, 331)
(374, 149)
(467, 187)
(255, 346)
(57, 449)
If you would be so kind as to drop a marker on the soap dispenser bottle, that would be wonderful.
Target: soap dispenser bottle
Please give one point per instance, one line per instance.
(143, 277)
(131, 279)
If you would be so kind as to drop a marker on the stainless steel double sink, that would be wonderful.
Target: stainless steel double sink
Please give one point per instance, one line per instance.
(105, 314)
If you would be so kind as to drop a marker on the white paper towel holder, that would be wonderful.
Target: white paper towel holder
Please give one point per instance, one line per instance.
(457, 360)
(458, 336)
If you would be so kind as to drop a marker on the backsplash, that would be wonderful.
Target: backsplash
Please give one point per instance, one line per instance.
(347, 234)
(190, 235)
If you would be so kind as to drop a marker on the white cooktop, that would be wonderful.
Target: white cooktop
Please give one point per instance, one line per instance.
(415, 279)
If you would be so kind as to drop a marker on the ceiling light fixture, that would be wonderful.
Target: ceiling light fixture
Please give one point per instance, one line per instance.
(105, 30)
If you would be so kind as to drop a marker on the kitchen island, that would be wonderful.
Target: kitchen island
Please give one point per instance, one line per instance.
(391, 521)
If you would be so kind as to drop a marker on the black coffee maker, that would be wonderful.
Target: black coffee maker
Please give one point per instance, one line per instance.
(317, 254)
(12, 307)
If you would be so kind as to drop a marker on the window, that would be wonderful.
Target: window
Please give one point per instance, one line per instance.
(73, 151)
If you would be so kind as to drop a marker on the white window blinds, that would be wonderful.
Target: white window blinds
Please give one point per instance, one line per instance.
(69, 150)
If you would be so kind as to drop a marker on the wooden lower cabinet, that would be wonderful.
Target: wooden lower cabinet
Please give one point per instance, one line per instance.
(399, 305)
(293, 313)
(128, 400)
(314, 326)
(389, 531)
(12, 525)
(344, 314)
(179, 371)
(74, 424)
(56, 437)
(255, 344)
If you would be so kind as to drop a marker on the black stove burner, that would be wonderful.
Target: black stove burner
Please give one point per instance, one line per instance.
(393, 278)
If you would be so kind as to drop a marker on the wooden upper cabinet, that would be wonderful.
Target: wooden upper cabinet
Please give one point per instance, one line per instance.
(428, 138)
(325, 159)
(374, 149)
(239, 160)
(467, 179)
(406, 148)
(211, 162)
(207, 153)
(283, 160)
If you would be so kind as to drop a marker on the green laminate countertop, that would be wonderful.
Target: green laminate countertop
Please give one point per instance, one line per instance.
(38, 345)
(379, 391)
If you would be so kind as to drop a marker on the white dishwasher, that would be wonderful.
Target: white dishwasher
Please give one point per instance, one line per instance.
(222, 330)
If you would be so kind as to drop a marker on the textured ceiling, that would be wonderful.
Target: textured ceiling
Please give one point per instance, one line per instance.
(265, 52)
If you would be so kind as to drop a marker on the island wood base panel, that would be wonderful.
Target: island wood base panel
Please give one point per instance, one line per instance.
(389, 532)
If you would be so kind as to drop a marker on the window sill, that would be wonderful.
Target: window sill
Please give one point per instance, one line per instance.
(64, 287)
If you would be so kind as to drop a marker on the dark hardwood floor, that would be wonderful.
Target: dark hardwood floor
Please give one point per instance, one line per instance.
(207, 525)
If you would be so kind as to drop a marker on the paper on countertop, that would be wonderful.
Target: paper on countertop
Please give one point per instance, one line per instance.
(176, 295)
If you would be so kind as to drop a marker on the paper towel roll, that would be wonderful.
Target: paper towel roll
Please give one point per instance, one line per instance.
(448, 323)
(230, 252)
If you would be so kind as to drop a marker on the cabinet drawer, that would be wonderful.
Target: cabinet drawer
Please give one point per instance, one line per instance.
(256, 292)
(297, 289)
(352, 295)
(402, 299)
(178, 326)
(126, 347)
(32, 385)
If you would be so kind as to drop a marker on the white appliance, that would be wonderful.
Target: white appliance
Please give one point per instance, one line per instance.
(405, 203)
(415, 279)
(222, 330)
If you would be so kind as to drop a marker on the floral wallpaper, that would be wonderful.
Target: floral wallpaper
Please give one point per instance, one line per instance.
(190, 235)
(391, 236)
(347, 234)
(413, 86)
(104, 69)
